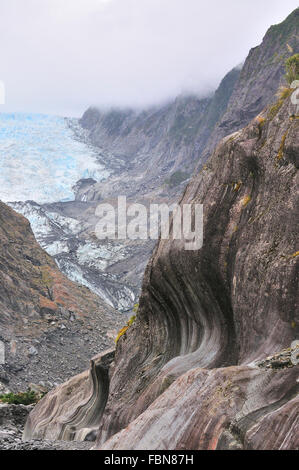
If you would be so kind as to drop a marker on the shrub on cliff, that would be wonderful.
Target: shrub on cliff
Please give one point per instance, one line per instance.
(292, 68)
(125, 328)
(22, 398)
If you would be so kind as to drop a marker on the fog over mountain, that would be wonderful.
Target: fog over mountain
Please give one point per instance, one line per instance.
(59, 56)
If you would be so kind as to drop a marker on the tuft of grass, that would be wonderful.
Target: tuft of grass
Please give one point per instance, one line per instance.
(246, 201)
(261, 121)
(281, 148)
(46, 280)
(275, 108)
(136, 308)
(284, 92)
(131, 321)
(121, 333)
(237, 186)
(22, 398)
(125, 328)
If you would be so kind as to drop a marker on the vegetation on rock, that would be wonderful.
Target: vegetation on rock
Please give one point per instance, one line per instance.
(125, 328)
(292, 68)
(29, 397)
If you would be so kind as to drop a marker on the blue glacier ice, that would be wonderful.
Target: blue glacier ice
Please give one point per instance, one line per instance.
(40, 159)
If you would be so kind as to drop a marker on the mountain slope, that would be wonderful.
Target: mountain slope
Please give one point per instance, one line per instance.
(231, 303)
(150, 156)
(158, 142)
(50, 326)
(261, 75)
(66, 232)
(192, 373)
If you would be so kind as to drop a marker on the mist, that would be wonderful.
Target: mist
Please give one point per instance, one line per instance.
(61, 56)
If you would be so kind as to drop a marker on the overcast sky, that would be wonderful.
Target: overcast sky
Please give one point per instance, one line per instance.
(60, 56)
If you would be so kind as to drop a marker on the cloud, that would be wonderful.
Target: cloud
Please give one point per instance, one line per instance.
(60, 56)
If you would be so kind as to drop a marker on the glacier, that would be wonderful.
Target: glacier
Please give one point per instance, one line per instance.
(41, 160)
(80, 258)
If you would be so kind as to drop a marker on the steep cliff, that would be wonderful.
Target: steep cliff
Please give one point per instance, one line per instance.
(261, 75)
(231, 303)
(180, 135)
(192, 371)
(50, 326)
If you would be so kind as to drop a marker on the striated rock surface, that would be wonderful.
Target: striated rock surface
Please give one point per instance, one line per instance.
(225, 409)
(49, 325)
(12, 422)
(201, 366)
(231, 303)
(76, 407)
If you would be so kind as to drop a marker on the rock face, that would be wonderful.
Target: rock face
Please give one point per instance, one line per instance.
(230, 304)
(224, 409)
(262, 73)
(192, 372)
(12, 422)
(49, 325)
(77, 406)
